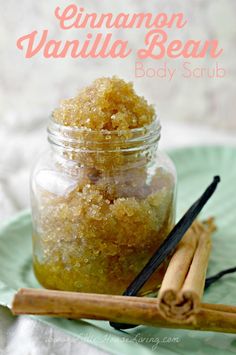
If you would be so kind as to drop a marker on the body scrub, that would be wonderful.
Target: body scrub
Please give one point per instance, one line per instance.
(103, 198)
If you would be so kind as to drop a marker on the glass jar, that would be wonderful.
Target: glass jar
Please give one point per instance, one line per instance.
(102, 203)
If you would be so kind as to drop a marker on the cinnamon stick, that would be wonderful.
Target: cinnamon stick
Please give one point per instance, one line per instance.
(133, 310)
(183, 284)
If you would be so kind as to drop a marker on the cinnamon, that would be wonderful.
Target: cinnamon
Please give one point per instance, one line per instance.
(125, 309)
(183, 284)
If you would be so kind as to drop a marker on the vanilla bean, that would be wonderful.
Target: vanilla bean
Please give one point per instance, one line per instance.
(168, 245)
(172, 240)
(212, 279)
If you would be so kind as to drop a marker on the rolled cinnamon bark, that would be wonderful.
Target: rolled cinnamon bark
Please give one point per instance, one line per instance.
(183, 284)
(124, 309)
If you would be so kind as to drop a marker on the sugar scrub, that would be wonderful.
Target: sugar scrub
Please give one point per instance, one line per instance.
(103, 198)
(107, 104)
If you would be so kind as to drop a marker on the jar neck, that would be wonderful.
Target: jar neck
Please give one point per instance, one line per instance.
(103, 148)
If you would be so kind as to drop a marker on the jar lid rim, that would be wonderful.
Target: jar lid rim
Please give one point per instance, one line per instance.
(154, 125)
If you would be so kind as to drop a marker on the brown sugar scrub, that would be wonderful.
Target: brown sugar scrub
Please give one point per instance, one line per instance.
(107, 104)
(103, 198)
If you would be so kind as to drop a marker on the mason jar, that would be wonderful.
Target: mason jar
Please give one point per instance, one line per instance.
(102, 203)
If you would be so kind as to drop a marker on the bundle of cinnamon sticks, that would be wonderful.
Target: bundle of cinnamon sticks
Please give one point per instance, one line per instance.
(182, 288)
(178, 304)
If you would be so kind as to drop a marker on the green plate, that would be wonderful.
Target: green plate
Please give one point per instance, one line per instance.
(196, 167)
